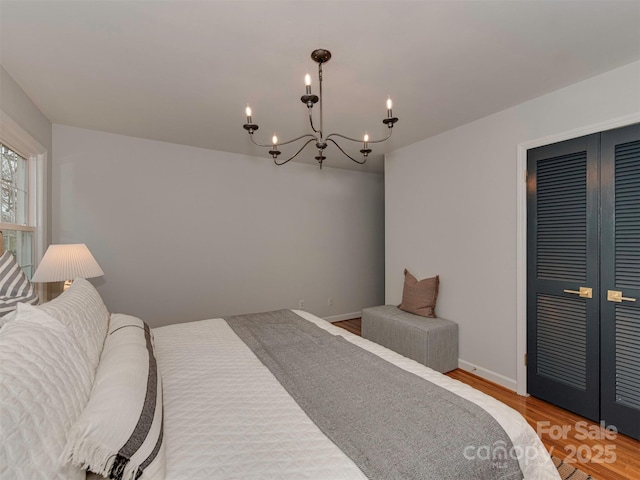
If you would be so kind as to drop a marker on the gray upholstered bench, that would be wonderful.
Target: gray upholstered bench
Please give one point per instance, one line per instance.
(430, 341)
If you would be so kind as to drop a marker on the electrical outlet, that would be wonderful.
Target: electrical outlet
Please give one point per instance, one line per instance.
(330, 301)
(301, 304)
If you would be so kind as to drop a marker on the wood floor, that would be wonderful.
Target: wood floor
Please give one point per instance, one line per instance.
(584, 444)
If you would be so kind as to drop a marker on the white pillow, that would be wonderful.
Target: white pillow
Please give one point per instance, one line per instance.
(7, 318)
(14, 285)
(44, 386)
(82, 310)
(120, 432)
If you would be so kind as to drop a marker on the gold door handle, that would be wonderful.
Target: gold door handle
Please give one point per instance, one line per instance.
(616, 296)
(584, 292)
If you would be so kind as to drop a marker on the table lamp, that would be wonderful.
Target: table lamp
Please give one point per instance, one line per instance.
(63, 263)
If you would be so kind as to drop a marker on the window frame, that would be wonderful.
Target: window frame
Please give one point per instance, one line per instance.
(17, 139)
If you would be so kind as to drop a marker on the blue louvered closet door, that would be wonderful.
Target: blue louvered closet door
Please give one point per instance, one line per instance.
(620, 254)
(583, 272)
(563, 338)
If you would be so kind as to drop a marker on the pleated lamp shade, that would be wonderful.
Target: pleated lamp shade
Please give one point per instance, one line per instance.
(66, 262)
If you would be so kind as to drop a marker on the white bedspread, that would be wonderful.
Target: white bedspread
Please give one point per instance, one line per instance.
(227, 417)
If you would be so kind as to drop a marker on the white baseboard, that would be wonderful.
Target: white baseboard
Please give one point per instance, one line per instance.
(488, 374)
(344, 316)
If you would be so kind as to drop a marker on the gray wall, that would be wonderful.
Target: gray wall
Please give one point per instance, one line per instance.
(451, 210)
(185, 233)
(16, 104)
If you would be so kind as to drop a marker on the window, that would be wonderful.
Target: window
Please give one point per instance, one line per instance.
(17, 227)
(23, 194)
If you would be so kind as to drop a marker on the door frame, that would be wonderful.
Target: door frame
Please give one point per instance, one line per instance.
(521, 239)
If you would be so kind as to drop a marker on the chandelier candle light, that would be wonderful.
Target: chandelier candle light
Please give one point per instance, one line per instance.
(320, 56)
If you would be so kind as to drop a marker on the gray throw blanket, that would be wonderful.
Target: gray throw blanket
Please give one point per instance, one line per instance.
(390, 422)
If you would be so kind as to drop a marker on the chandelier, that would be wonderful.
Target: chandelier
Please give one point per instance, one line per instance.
(318, 136)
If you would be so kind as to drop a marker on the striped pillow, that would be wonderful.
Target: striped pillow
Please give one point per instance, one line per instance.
(120, 432)
(15, 287)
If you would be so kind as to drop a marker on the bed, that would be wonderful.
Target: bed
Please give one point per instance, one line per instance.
(245, 397)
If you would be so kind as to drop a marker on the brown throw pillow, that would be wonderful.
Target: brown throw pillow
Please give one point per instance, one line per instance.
(419, 297)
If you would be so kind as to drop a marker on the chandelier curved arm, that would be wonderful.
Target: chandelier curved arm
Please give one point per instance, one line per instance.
(359, 140)
(311, 122)
(275, 160)
(269, 145)
(361, 162)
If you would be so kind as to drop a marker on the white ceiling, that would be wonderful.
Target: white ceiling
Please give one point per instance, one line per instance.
(183, 71)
